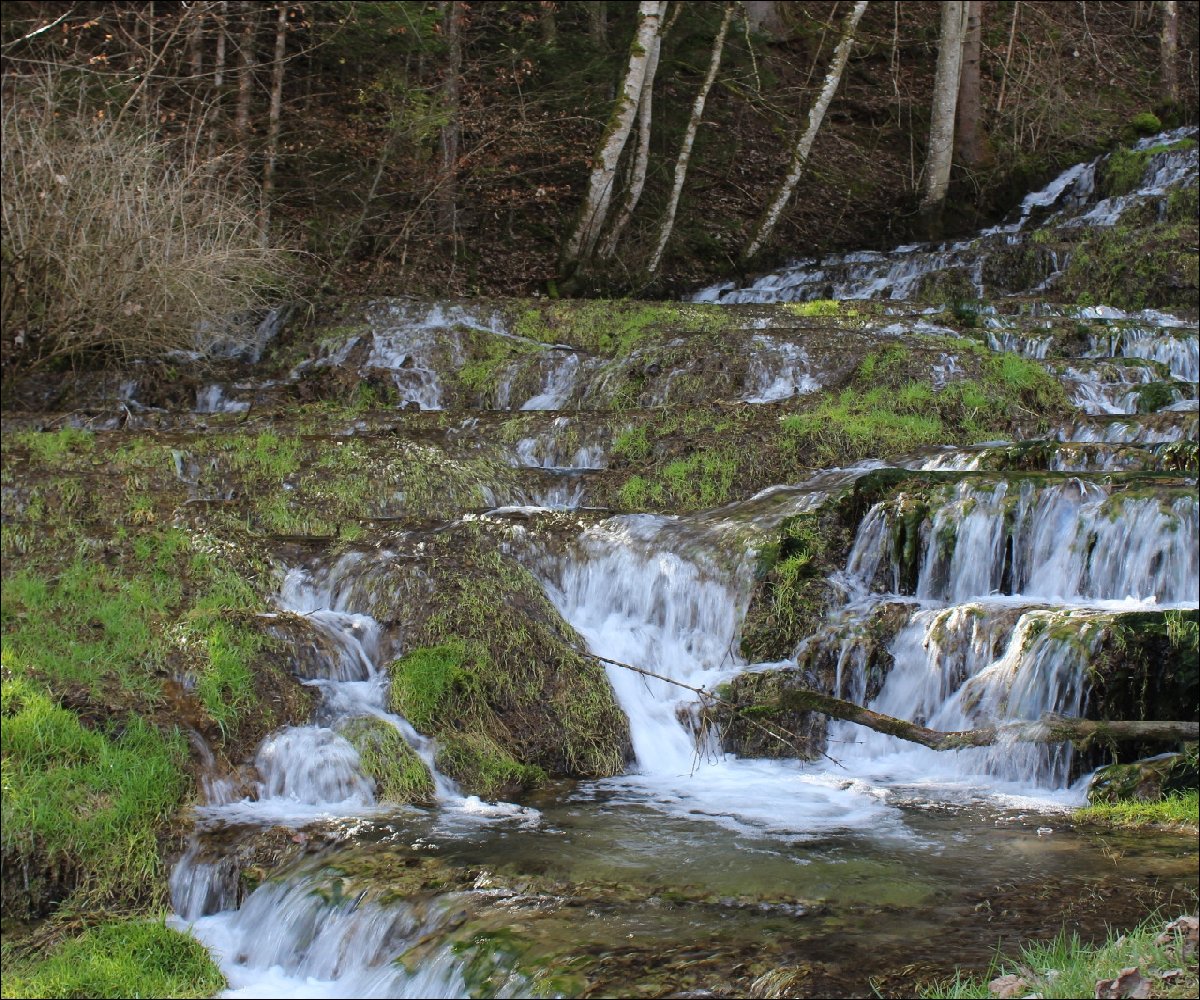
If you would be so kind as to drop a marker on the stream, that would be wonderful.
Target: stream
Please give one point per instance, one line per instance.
(698, 872)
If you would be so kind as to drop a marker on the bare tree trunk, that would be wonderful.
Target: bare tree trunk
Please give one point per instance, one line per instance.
(547, 23)
(689, 137)
(641, 156)
(945, 100)
(1048, 729)
(765, 16)
(219, 61)
(195, 45)
(1012, 37)
(582, 242)
(816, 114)
(447, 200)
(597, 13)
(967, 143)
(273, 120)
(241, 119)
(1169, 52)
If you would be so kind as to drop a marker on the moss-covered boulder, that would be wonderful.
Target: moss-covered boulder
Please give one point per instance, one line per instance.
(387, 758)
(1146, 780)
(495, 674)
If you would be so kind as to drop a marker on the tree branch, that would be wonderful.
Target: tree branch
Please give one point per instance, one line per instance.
(1049, 728)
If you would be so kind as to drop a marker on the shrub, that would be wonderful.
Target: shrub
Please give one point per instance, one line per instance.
(118, 242)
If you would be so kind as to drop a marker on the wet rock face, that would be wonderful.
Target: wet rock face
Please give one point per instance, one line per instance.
(1146, 780)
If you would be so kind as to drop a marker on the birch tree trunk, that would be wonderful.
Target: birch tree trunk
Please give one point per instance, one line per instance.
(641, 156)
(1169, 51)
(592, 216)
(689, 137)
(219, 61)
(945, 102)
(967, 145)
(816, 114)
(273, 121)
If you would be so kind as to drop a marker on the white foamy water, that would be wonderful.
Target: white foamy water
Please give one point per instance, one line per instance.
(1070, 200)
(973, 665)
(299, 939)
(565, 444)
(291, 938)
(778, 370)
(659, 594)
(1070, 541)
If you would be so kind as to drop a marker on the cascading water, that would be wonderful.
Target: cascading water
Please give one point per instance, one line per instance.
(999, 588)
(290, 938)
(654, 592)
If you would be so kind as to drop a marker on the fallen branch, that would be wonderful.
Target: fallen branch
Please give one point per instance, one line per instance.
(1049, 728)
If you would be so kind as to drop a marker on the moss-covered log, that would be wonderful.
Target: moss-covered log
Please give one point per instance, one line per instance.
(1048, 729)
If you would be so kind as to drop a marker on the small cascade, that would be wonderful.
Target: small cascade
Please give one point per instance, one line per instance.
(1070, 201)
(1163, 428)
(667, 595)
(214, 399)
(778, 370)
(560, 376)
(565, 444)
(1072, 541)
(973, 665)
(412, 344)
(302, 938)
(1169, 345)
(297, 936)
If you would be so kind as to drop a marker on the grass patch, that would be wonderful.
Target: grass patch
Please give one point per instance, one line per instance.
(1067, 968)
(119, 959)
(1180, 810)
(430, 684)
(86, 802)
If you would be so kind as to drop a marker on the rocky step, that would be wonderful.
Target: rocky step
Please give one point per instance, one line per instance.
(1056, 456)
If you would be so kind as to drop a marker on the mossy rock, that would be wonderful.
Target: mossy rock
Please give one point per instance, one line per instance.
(755, 719)
(385, 756)
(1148, 780)
(496, 675)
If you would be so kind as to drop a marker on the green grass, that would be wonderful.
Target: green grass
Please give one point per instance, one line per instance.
(88, 801)
(430, 683)
(615, 328)
(1077, 967)
(119, 959)
(1180, 810)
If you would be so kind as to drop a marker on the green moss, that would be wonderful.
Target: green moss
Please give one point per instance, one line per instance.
(120, 959)
(1135, 267)
(615, 328)
(479, 763)
(430, 685)
(817, 307)
(632, 444)
(1123, 171)
(387, 758)
(1146, 123)
(502, 691)
(52, 447)
(85, 803)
